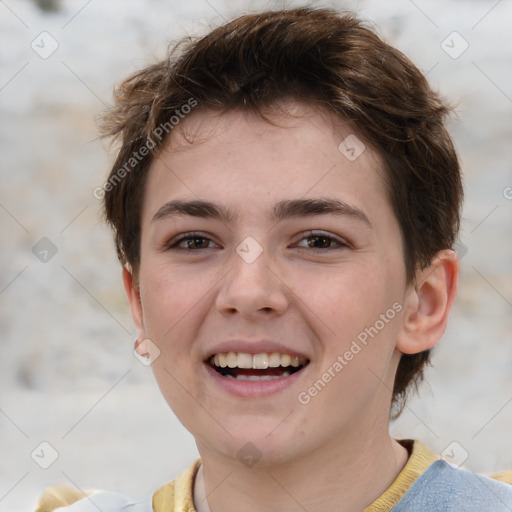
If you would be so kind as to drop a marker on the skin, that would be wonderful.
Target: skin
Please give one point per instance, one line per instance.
(334, 453)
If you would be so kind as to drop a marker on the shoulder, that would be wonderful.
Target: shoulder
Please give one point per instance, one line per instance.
(504, 476)
(64, 498)
(444, 487)
(57, 496)
(176, 495)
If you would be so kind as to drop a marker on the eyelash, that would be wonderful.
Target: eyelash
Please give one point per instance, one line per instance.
(173, 245)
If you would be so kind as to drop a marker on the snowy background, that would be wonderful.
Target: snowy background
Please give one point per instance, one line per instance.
(68, 376)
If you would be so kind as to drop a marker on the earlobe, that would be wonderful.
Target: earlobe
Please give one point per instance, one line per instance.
(141, 346)
(133, 295)
(428, 304)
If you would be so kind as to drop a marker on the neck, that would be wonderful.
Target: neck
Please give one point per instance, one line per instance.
(200, 501)
(345, 478)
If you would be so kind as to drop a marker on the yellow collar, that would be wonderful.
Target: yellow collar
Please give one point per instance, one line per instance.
(177, 496)
(419, 460)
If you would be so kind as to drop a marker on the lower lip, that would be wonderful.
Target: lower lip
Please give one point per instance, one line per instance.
(253, 388)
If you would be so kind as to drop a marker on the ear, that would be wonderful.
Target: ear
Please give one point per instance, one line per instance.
(428, 304)
(133, 294)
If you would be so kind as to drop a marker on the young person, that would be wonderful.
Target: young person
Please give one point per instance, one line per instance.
(285, 201)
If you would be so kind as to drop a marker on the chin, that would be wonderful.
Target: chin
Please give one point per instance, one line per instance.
(254, 443)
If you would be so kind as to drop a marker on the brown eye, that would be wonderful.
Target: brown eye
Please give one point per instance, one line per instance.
(191, 242)
(196, 243)
(321, 241)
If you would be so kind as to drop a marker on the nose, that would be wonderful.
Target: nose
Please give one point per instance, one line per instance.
(253, 288)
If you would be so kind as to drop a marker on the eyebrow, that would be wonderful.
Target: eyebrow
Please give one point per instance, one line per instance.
(282, 210)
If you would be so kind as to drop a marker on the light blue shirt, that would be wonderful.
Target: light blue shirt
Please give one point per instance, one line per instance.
(446, 488)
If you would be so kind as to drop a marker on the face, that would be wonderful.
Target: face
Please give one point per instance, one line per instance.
(273, 283)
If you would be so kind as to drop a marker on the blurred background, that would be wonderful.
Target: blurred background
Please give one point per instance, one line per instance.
(68, 376)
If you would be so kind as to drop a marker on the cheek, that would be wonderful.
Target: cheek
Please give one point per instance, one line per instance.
(345, 300)
(354, 314)
(172, 307)
(169, 300)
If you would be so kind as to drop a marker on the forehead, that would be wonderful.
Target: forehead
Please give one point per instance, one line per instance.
(249, 162)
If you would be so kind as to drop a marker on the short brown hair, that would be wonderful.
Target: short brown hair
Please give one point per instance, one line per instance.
(325, 58)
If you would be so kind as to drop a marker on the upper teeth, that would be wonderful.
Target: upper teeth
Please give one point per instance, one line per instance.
(256, 361)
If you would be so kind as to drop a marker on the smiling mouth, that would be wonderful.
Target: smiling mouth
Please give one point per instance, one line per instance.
(256, 367)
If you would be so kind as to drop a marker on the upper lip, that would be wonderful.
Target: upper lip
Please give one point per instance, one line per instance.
(258, 346)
